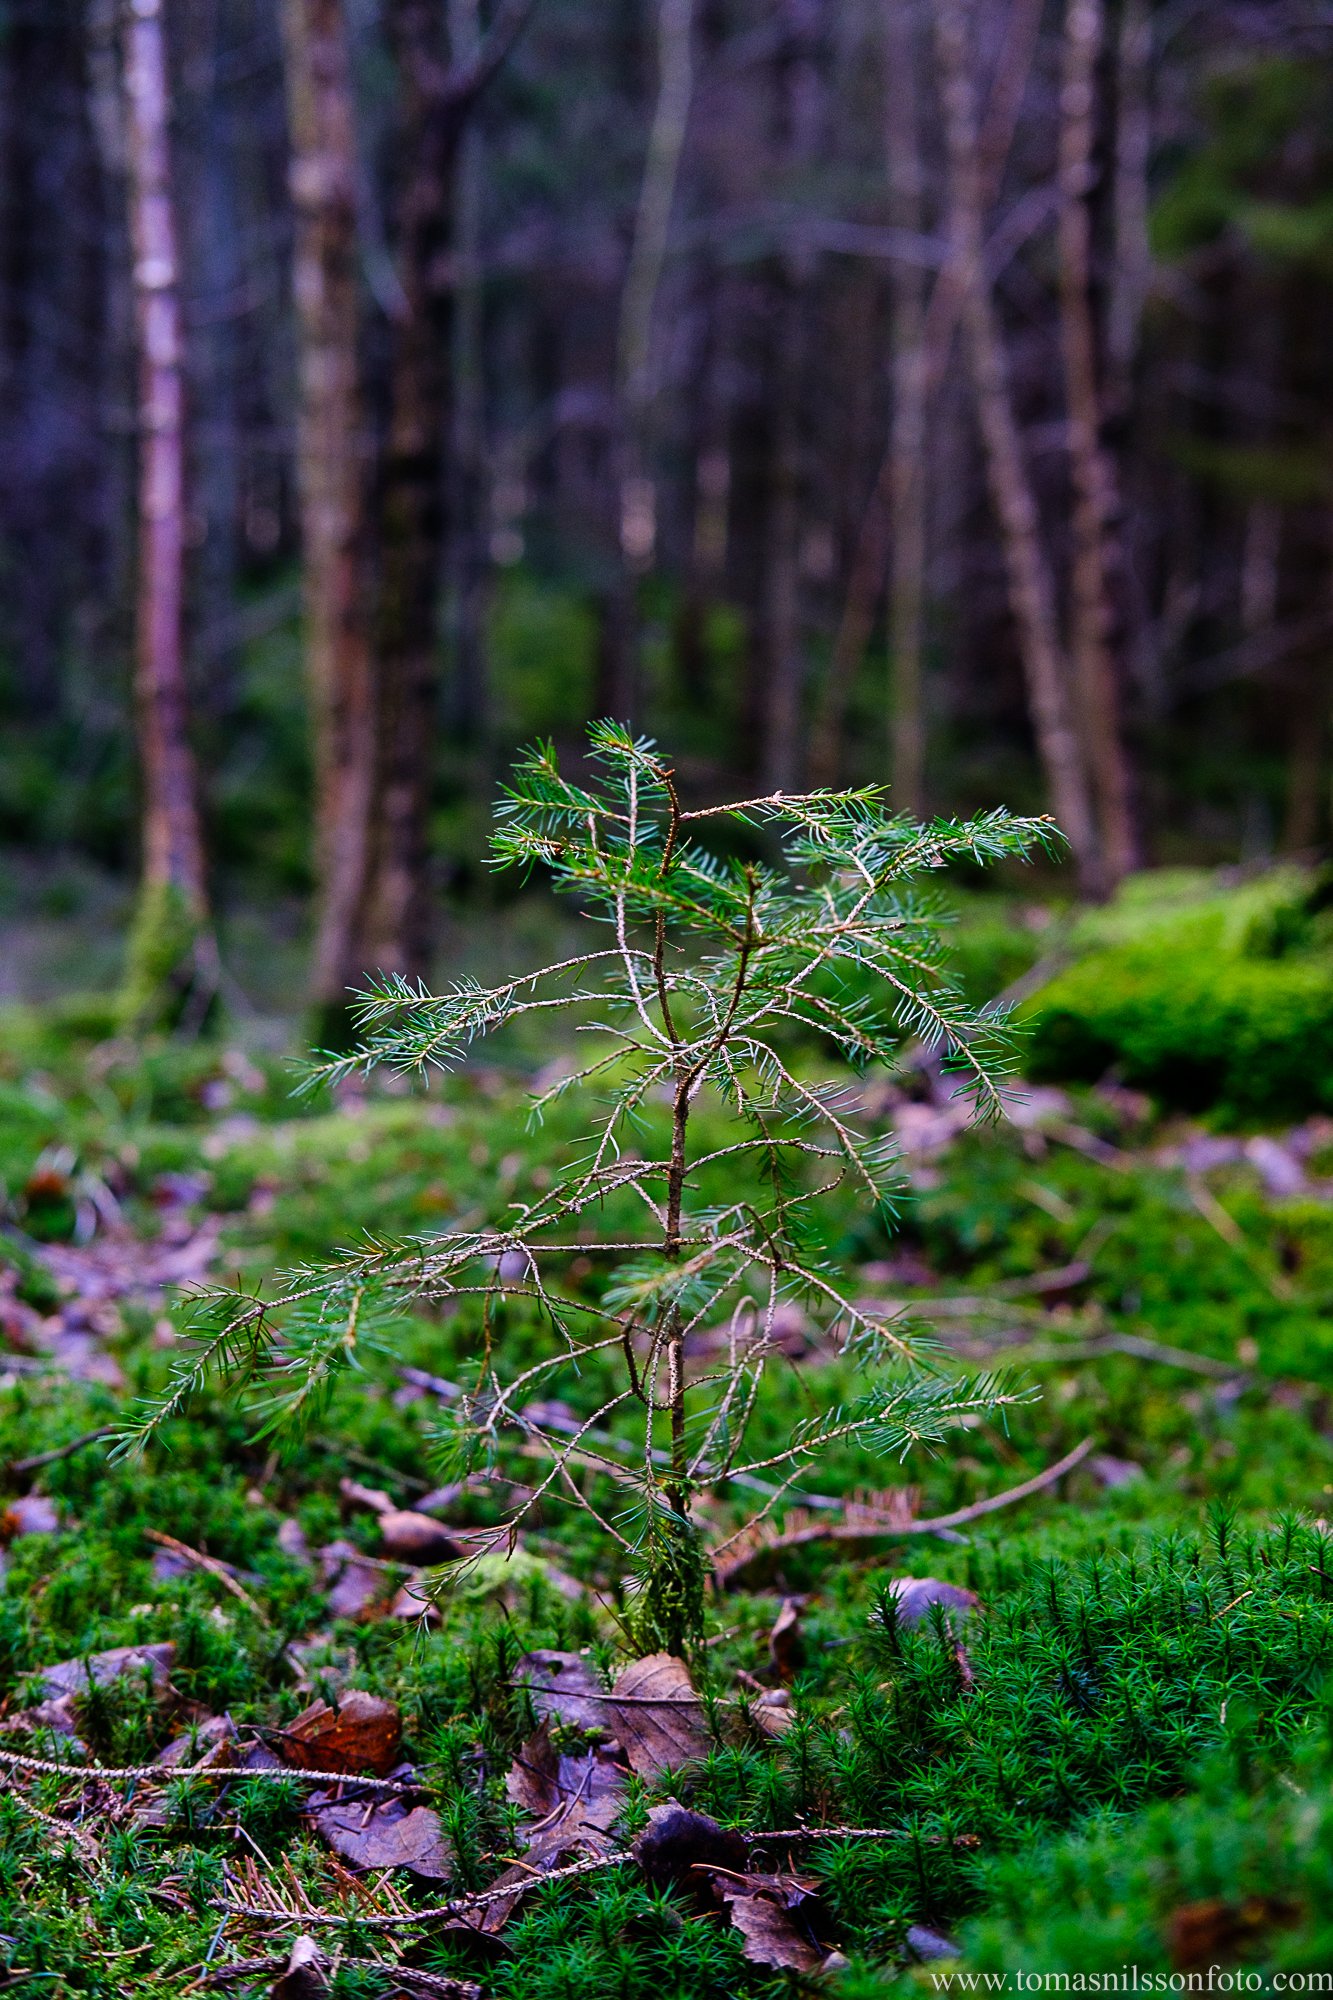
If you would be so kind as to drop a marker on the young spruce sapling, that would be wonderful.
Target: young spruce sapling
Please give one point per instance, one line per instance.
(711, 974)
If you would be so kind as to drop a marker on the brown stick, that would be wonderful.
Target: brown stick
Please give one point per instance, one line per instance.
(18, 1467)
(844, 1532)
(198, 1560)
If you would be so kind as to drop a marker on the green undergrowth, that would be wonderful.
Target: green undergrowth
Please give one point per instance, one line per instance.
(1137, 1727)
(1213, 997)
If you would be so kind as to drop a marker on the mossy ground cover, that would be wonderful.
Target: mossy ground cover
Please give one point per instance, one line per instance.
(1137, 1728)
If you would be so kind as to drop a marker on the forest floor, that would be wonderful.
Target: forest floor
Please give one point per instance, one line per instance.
(1104, 1743)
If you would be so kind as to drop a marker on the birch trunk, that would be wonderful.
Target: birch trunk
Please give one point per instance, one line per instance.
(1031, 588)
(172, 968)
(331, 472)
(1096, 509)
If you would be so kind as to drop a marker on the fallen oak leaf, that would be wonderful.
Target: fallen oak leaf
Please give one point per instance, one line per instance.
(361, 1734)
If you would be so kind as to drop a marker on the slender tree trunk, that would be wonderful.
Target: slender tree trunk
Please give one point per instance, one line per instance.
(1096, 512)
(781, 653)
(1132, 260)
(467, 556)
(395, 919)
(907, 570)
(632, 450)
(172, 972)
(782, 753)
(331, 470)
(894, 523)
(1031, 589)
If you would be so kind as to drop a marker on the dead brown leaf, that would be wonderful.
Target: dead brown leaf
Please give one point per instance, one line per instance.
(417, 1538)
(211, 1741)
(34, 1514)
(364, 1499)
(778, 1917)
(77, 1676)
(384, 1833)
(355, 1583)
(291, 1540)
(563, 1685)
(306, 1974)
(575, 1800)
(677, 1844)
(1113, 1473)
(923, 1944)
(657, 1715)
(361, 1734)
(773, 1712)
(411, 1601)
(916, 1594)
(1200, 1933)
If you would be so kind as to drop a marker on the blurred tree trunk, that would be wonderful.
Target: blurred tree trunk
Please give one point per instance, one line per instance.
(1031, 587)
(439, 97)
(172, 971)
(331, 472)
(1095, 523)
(634, 487)
(893, 527)
(781, 656)
(396, 926)
(467, 513)
(907, 562)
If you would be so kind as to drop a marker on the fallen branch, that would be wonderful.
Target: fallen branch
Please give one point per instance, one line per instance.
(19, 1467)
(462, 1906)
(198, 1560)
(878, 1531)
(168, 1774)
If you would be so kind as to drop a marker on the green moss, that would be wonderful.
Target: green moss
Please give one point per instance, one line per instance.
(170, 970)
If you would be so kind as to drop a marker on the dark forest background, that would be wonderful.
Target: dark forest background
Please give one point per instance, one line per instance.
(924, 391)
